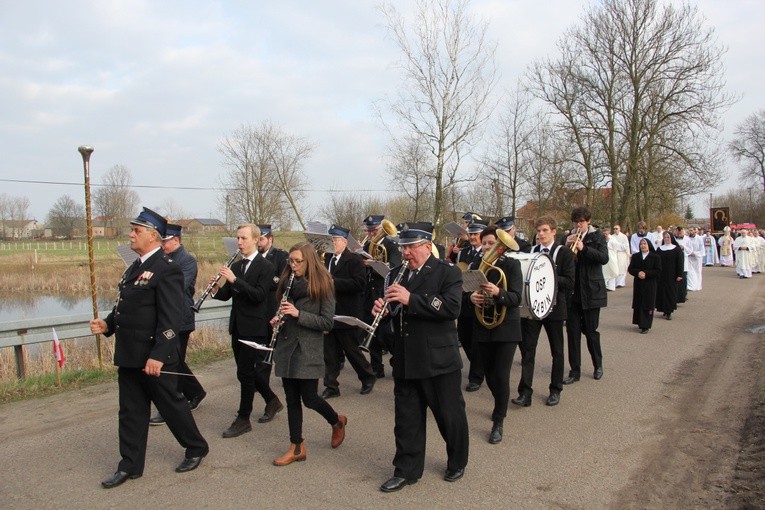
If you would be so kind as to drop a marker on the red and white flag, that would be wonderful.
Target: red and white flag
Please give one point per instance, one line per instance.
(58, 351)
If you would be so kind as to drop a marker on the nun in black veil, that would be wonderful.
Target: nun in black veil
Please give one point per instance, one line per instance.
(672, 272)
(645, 266)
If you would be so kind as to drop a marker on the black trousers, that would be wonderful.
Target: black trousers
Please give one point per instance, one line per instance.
(443, 395)
(583, 321)
(497, 359)
(339, 343)
(530, 330)
(252, 373)
(136, 393)
(465, 334)
(305, 390)
(189, 386)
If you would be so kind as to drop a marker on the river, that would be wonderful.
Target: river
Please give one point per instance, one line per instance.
(17, 307)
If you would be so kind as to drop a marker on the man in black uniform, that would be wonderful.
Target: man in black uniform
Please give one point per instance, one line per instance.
(274, 255)
(189, 386)
(470, 258)
(589, 294)
(375, 284)
(427, 366)
(249, 284)
(349, 275)
(507, 223)
(563, 258)
(146, 320)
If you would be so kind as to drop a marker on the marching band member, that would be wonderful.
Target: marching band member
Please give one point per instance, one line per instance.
(589, 294)
(248, 284)
(427, 366)
(375, 285)
(553, 323)
(470, 258)
(495, 344)
(145, 322)
(299, 351)
(349, 276)
(175, 251)
(462, 241)
(507, 223)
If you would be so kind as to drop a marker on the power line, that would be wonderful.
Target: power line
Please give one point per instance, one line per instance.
(192, 188)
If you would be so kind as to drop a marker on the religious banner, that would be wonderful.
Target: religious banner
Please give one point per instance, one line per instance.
(719, 218)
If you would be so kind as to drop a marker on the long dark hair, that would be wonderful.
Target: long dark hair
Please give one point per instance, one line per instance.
(320, 284)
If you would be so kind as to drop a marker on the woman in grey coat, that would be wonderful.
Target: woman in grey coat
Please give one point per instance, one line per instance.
(307, 311)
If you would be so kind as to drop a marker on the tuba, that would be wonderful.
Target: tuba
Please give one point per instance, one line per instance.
(376, 249)
(504, 242)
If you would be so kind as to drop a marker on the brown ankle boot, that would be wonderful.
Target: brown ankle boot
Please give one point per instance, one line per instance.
(296, 453)
(338, 431)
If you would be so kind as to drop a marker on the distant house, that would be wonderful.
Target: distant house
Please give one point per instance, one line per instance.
(103, 226)
(202, 225)
(20, 229)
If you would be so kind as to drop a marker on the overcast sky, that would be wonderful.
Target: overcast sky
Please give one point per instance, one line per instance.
(155, 85)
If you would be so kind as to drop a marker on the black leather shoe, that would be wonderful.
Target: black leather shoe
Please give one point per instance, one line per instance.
(668, 317)
(157, 419)
(644, 331)
(598, 373)
(239, 427)
(196, 401)
(118, 478)
(189, 464)
(366, 388)
(396, 483)
(330, 393)
(273, 407)
(523, 400)
(380, 374)
(472, 387)
(496, 433)
(452, 475)
(571, 379)
(553, 399)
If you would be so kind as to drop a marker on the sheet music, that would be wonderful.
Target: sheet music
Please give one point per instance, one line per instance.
(472, 280)
(126, 254)
(256, 345)
(231, 245)
(352, 321)
(454, 229)
(380, 267)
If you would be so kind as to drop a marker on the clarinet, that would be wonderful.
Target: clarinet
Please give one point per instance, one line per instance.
(375, 323)
(198, 305)
(278, 326)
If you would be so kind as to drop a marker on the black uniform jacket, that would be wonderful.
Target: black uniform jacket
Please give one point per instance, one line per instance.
(278, 258)
(589, 267)
(425, 340)
(147, 316)
(188, 265)
(350, 276)
(564, 274)
(252, 298)
(509, 299)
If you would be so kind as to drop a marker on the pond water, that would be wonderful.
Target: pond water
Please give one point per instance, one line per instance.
(18, 307)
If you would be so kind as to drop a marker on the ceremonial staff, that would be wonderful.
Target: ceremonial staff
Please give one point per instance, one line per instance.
(86, 151)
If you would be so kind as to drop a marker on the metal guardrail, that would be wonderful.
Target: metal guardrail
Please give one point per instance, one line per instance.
(18, 334)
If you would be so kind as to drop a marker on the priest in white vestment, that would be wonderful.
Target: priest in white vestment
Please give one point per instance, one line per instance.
(611, 270)
(726, 248)
(622, 255)
(695, 259)
(744, 249)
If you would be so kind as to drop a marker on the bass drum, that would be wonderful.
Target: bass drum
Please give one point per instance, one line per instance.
(540, 285)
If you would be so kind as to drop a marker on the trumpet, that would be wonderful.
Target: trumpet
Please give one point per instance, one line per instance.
(279, 316)
(376, 322)
(504, 242)
(198, 305)
(579, 237)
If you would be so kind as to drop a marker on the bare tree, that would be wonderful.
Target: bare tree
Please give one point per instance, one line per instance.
(409, 169)
(264, 180)
(65, 216)
(449, 74)
(748, 147)
(639, 89)
(505, 164)
(115, 200)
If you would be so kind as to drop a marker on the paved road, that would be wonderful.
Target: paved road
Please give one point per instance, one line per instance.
(633, 439)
